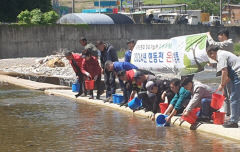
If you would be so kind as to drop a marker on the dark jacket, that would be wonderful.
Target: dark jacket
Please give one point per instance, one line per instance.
(164, 85)
(109, 53)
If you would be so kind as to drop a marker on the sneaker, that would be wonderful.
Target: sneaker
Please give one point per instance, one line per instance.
(230, 124)
(79, 93)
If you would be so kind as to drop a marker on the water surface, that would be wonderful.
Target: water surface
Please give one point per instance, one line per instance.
(32, 121)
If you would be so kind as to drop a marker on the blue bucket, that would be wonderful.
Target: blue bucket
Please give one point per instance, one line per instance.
(118, 99)
(75, 87)
(135, 103)
(161, 120)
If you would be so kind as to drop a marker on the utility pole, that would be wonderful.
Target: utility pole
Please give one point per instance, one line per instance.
(73, 6)
(99, 1)
(220, 11)
(161, 2)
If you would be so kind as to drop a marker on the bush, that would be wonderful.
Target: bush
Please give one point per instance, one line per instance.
(50, 17)
(37, 17)
(237, 49)
(24, 17)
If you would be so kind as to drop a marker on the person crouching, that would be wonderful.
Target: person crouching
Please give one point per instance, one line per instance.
(92, 70)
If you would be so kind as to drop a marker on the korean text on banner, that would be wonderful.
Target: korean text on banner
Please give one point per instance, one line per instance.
(185, 54)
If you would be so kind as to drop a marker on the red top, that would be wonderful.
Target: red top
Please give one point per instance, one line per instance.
(91, 66)
(78, 59)
(130, 76)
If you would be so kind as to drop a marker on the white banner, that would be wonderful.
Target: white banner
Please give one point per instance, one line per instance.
(186, 54)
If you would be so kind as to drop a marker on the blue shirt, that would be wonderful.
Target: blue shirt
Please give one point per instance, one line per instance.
(128, 56)
(119, 66)
(179, 97)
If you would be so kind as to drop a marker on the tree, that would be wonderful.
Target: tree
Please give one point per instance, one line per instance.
(9, 9)
(37, 17)
(208, 6)
(50, 17)
(24, 17)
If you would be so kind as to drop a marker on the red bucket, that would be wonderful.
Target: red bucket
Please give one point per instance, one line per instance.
(217, 101)
(163, 107)
(218, 118)
(192, 116)
(89, 84)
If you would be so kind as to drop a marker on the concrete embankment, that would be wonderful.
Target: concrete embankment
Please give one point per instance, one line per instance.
(233, 133)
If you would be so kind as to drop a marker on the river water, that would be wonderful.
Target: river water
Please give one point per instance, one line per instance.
(32, 121)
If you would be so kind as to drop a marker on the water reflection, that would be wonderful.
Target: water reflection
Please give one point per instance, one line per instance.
(36, 122)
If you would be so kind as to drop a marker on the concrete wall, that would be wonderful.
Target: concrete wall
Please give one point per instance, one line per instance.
(39, 41)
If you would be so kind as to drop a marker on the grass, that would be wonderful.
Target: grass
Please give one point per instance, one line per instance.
(154, 2)
(237, 49)
(121, 54)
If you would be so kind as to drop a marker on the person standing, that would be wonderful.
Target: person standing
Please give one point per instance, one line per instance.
(92, 70)
(128, 54)
(89, 46)
(225, 43)
(76, 62)
(108, 53)
(228, 66)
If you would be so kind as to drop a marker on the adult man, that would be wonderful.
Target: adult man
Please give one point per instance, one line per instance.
(76, 62)
(201, 97)
(108, 53)
(228, 66)
(89, 46)
(225, 43)
(157, 91)
(128, 54)
(131, 87)
(120, 66)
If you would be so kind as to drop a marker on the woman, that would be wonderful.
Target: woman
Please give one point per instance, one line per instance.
(92, 70)
(179, 101)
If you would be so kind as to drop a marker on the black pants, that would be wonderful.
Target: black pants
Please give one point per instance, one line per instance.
(82, 83)
(127, 90)
(148, 101)
(109, 80)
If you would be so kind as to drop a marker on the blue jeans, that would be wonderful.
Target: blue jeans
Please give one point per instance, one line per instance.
(206, 110)
(235, 103)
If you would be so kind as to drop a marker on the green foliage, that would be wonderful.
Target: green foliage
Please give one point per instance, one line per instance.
(24, 17)
(237, 49)
(9, 9)
(50, 17)
(208, 6)
(121, 54)
(37, 17)
(192, 40)
(186, 61)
